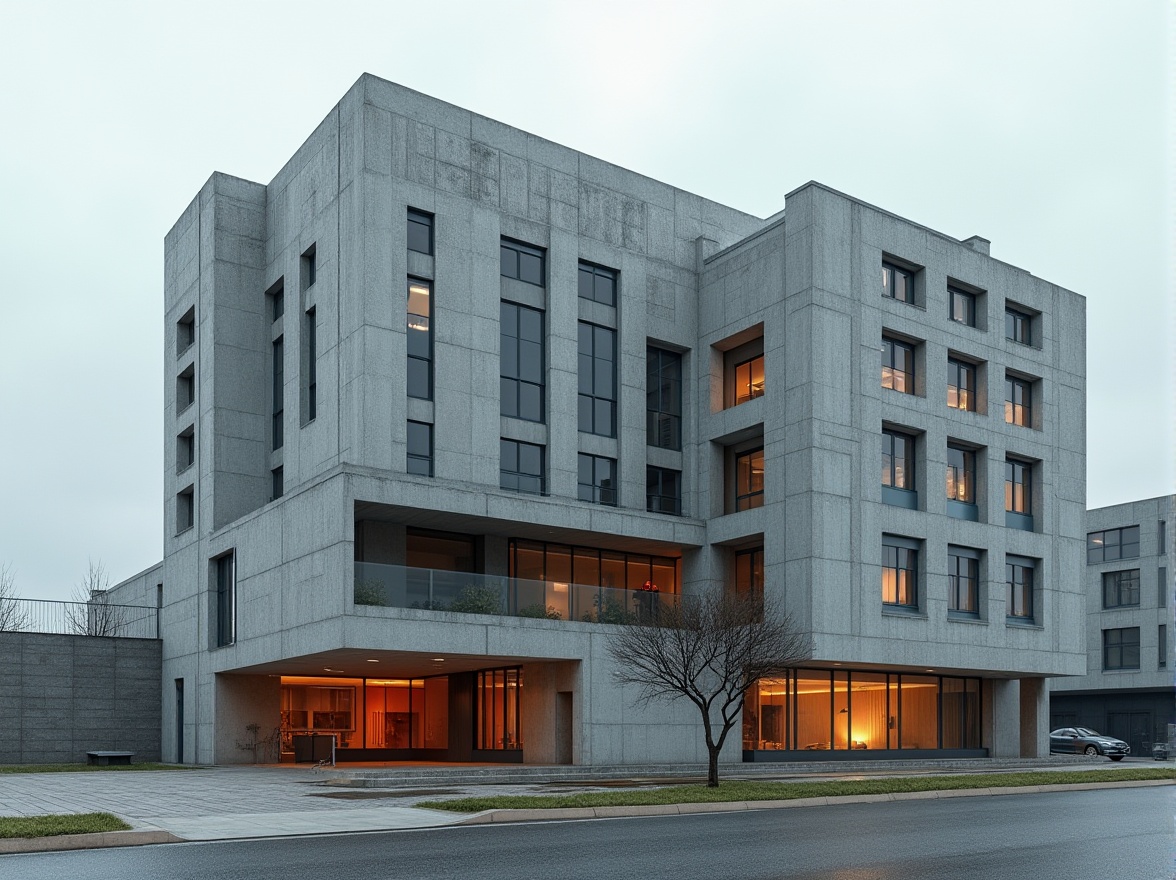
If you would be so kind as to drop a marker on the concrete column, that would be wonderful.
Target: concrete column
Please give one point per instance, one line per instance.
(1005, 719)
(1034, 717)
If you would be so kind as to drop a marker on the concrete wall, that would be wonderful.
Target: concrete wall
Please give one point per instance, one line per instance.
(62, 696)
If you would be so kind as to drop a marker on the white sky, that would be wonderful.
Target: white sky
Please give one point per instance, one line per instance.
(1043, 126)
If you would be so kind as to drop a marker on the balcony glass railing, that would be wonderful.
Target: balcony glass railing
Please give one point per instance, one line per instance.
(398, 586)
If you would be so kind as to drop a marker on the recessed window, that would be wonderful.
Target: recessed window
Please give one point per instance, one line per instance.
(522, 262)
(898, 460)
(743, 368)
(310, 367)
(420, 449)
(961, 306)
(1018, 401)
(900, 572)
(1162, 538)
(898, 283)
(1162, 586)
(898, 366)
(597, 477)
(749, 571)
(963, 580)
(1121, 648)
(521, 467)
(961, 385)
(186, 449)
(186, 331)
(1019, 578)
(961, 474)
(749, 479)
(598, 380)
(277, 483)
(598, 284)
(1018, 326)
(277, 302)
(420, 231)
(277, 392)
(522, 362)
(1162, 645)
(1111, 544)
(225, 575)
(749, 380)
(185, 509)
(185, 388)
(663, 491)
(1018, 486)
(663, 398)
(1120, 588)
(309, 267)
(420, 339)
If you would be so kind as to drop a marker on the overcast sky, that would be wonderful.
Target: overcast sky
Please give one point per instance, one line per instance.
(1043, 126)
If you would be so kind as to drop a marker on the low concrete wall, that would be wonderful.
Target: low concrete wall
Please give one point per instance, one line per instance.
(61, 696)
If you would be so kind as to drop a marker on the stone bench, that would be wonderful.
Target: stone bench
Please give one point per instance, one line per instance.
(105, 757)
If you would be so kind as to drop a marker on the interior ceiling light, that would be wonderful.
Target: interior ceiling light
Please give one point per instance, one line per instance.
(438, 659)
(371, 660)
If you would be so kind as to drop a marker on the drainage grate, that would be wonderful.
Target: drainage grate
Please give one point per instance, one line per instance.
(368, 794)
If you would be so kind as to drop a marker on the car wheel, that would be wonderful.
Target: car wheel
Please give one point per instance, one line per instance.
(1091, 750)
(1115, 757)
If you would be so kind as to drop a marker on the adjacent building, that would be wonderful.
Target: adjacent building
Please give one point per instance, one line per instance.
(1128, 690)
(446, 402)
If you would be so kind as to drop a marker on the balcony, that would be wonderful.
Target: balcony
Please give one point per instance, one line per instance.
(399, 586)
(93, 618)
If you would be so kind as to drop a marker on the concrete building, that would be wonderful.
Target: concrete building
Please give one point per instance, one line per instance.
(1128, 691)
(445, 399)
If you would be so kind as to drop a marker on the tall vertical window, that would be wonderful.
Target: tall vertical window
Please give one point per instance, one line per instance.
(498, 715)
(1162, 538)
(1120, 588)
(597, 478)
(961, 385)
(420, 231)
(749, 479)
(1162, 645)
(1018, 486)
(186, 449)
(225, 573)
(185, 509)
(522, 262)
(749, 571)
(521, 467)
(522, 362)
(420, 339)
(598, 380)
(663, 491)
(420, 449)
(961, 306)
(898, 366)
(900, 572)
(963, 580)
(277, 303)
(898, 283)
(1018, 326)
(1162, 586)
(278, 393)
(1019, 578)
(310, 343)
(186, 331)
(1121, 648)
(1111, 544)
(1018, 401)
(309, 267)
(749, 380)
(277, 483)
(898, 460)
(663, 398)
(186, 388)
(961, 474)
(598, 284)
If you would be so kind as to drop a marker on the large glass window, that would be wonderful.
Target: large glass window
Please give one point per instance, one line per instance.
(1121, 648)
(749, 570)
(523, 262)
(1111, 544)
(749, 379)
(749, 479)
(1018, 486)
(1019, 576)
(598, 380)
(961, 474)
(1120, 588)
(663, 490)
(898, 283)
(1018, 401)
(900, 572)
(521, 467)
(961, 306)
(597, 479)
(420, 449)
(898, 366)
(497, 711)
(898, 460)
(598, 284)
(420, 231)
(420, 339)
(663, 398)
(961, 385)
(963, 580)
(522, 362)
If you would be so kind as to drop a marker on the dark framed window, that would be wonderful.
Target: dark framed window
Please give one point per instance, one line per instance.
(900, 572)
(597, 478)
(1121, 648)
(186, 331)
(598, 380)
(1120, 588)
(420, 231)
(310, 267)
(420, 339)
(310, 343)
(521, 467)
(961, 306)
(598, 284)
(898, 460)
(1162, 645)
(185, 509)
(419, 453)
(225, 574)
(749, 479)
(663, 491)
(277, 483)
(523, 262)
(1019, 577)
(961, 385)
(898, 366)
(522, 358)
(591, 567)
(186, 388)
(749, 379)
(1018, 486)
(963, 580)
(663, 398)
(278, 393)
(961, 474)
(1162, 538)
(186, 449)
(898, 283)
(498, 709)
(749, 570)
(1111, 544)
(1018, 401)
(1162, 586)
(1018, 326)
(277, 303)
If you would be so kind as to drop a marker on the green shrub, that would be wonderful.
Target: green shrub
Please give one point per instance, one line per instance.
(538, 610)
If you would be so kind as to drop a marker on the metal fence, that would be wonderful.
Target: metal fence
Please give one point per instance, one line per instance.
(94, 618)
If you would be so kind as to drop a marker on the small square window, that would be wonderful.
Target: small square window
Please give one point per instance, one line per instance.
(898, 283)
(961, 306)
(597, 477)
(663, 491)
(598, 284)
(1018, 326)
(420, 231)
(1121, 648)
(1120, 588)
(521, 467)
(523, 262)
(420, 449)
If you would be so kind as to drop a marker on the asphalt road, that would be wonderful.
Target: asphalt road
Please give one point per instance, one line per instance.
(1114, 833)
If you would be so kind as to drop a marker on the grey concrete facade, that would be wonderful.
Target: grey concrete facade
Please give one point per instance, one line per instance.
(695, 277)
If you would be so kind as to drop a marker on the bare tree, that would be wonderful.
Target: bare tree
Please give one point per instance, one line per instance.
(14, 616)
(708, 650)
(91, 613)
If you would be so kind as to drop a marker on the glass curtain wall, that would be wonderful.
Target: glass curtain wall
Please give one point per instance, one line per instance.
(497, 719)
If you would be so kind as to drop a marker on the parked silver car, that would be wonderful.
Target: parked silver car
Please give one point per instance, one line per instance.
(1084, 741)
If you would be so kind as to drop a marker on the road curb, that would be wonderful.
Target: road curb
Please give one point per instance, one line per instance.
(489, 817)
(98, 840)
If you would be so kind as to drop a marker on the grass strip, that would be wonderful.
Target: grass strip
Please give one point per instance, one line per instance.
(53, 825)
(86, 768)
(744, 790)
